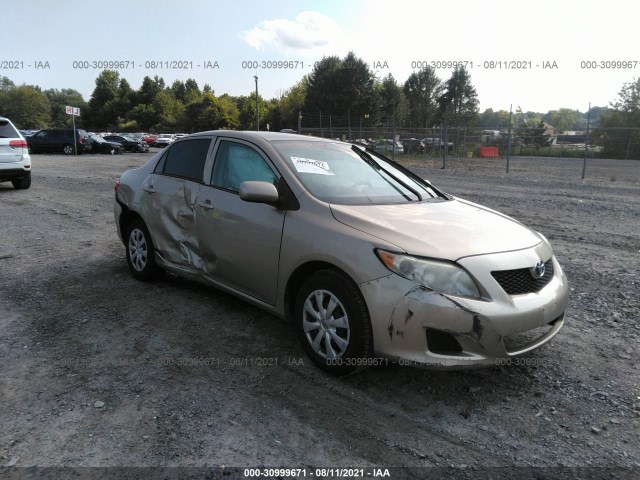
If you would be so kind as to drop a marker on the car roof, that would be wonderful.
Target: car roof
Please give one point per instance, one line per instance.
(263, 136)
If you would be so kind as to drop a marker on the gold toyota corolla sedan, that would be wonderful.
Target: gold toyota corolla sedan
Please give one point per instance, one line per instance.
(372, 263)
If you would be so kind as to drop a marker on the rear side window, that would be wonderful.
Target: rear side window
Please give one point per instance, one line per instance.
(236, 163)
(7, 131)
(186, 159)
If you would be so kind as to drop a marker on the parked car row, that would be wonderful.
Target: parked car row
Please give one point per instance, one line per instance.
(101, 145)
(404, 145)
(51, 140)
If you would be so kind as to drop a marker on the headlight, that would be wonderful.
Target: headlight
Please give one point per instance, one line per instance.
(443, 277)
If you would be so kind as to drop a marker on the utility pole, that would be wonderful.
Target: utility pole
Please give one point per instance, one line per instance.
(509, 135)
(257, 106)
(586, 143)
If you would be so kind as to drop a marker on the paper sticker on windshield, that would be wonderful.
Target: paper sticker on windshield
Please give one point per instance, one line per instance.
(307, 165)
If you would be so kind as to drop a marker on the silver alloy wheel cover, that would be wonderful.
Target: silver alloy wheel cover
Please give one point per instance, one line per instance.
(137, 249)
(326, 324)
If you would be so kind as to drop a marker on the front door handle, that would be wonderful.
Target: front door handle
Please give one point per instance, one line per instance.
(206, 205)
(149, 189)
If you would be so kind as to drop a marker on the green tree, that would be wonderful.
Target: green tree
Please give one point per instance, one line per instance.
(211, 113)
(103, 109)
(341, 85)
(534, 134)
(149, 89)
(619, 132)
(178, 89)
(229, 114)
(459, 101)
(247, 107)
(6, 84)
(290, 104)
(492, 119)
(192, 91)
(169, 110)
(59, 99)
(565, 119)
(422, 90)
(26, 106)
(393, 104)
(144, 116)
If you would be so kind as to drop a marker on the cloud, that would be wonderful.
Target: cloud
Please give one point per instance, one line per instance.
(309, 31)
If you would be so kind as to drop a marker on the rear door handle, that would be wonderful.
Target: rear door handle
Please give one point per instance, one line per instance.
(206, 205)
(149, 189)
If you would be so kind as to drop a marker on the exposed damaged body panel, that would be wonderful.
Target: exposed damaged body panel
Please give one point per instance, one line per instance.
(477, 328)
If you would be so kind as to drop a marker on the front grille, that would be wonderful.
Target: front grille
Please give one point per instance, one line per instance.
(517, 282)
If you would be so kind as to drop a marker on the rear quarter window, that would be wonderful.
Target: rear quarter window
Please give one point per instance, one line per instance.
(7, 130)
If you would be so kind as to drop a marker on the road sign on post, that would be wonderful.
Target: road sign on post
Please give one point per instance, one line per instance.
(74, 112)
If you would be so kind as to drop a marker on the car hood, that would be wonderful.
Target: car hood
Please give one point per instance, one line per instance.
(443, 229)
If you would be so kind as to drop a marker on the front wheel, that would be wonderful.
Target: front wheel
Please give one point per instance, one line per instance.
(140, 252)
(333, 322)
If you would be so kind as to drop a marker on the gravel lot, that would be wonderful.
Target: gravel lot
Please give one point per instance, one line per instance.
(98, 369)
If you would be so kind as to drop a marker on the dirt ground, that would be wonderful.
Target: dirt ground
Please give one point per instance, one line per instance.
(100, 370)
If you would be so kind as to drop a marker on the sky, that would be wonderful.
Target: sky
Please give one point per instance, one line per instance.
(538, 56)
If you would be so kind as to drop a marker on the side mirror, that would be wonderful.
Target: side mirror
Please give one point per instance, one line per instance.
(258, 192)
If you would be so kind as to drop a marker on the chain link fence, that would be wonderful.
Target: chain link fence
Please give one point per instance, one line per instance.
(454, 143)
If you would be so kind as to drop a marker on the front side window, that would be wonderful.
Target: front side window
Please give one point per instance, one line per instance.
(237, 163)
(187, 159)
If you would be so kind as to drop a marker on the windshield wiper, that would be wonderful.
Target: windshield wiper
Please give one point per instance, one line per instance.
(371, 162)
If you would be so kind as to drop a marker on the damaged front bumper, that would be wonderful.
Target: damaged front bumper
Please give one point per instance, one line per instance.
(416, 325)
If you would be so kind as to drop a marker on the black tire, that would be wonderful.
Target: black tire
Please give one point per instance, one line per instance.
(347, 331)
(22, 183)
(67, 149)
(140, 252)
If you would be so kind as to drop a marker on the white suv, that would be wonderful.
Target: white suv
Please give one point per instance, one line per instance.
(164, 140)
(15, 162)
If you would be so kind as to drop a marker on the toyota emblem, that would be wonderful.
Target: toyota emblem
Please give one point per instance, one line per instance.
(538, 270)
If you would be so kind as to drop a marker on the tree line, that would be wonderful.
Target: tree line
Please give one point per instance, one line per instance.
(338, 86)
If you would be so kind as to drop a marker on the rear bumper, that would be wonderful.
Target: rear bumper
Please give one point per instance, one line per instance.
(13, 173)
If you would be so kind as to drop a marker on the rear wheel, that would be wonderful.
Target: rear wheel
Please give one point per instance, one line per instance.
(140, 252)
(22, 183)
(333, 322)
(67, 149)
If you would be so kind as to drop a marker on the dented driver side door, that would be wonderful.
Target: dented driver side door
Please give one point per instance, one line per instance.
(169, 201)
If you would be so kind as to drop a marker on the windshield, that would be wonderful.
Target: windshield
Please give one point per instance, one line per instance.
(338, 173)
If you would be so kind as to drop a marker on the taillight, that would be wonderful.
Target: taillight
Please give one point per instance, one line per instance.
(116, 185)
(80, 140)
(18, 143)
